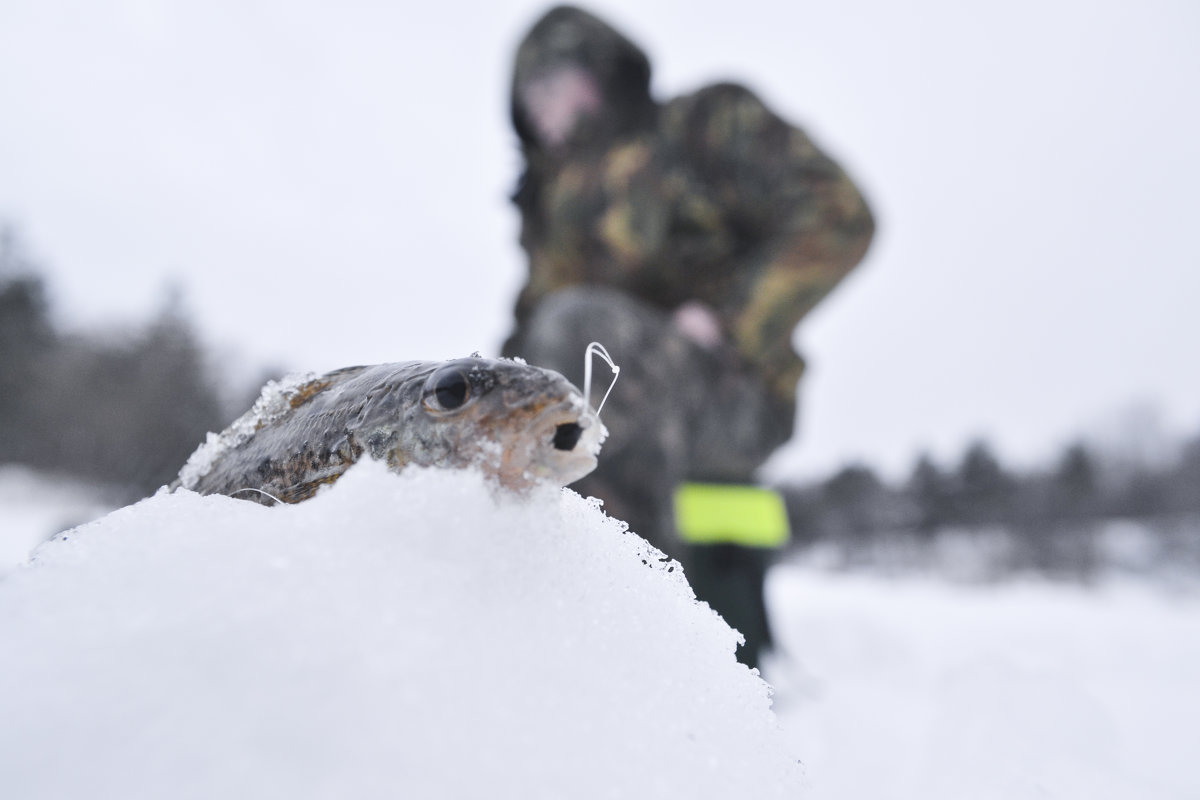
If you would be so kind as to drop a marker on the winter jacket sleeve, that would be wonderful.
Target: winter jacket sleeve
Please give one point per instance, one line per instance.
(802, 222)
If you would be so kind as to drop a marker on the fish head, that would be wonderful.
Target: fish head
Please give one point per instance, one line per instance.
(519, 423)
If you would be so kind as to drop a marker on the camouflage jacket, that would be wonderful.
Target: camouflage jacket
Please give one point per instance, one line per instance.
(712, 198)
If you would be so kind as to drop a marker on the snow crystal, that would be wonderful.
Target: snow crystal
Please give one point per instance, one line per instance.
(274, 401)
(396, 636)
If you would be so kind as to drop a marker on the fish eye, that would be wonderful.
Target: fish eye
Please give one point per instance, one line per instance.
(447, 389)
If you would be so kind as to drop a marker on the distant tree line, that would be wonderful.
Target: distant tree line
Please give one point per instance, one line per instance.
(122, 410)
(1058, 520)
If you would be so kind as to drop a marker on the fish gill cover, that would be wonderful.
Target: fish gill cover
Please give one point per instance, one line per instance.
(395, 636)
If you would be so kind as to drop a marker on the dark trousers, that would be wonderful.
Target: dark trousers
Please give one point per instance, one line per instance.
(732, 579)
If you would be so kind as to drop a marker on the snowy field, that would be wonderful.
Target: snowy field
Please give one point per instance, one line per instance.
(914, 688)
(415, 637)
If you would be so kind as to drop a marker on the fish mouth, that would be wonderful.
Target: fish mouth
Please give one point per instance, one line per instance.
(567, 435)
(560, 444)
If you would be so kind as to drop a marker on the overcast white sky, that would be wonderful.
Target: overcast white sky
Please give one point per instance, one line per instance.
(327, 182)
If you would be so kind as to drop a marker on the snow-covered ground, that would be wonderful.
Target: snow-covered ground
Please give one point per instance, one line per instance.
(915, 688)
(35, 506)
(414, 637)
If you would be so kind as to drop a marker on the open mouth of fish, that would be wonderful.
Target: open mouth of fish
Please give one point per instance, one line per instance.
(560, 445)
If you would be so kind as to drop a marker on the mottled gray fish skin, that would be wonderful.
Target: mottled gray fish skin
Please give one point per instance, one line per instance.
(519, 424)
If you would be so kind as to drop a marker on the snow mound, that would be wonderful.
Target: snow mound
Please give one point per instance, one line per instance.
(398, 635)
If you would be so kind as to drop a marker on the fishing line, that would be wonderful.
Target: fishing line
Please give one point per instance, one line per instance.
(595, 348)
(260, 491)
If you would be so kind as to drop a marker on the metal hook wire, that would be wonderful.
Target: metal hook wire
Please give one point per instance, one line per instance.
(595, 348)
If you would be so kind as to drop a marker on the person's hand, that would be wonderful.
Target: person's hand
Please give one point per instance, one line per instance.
(698, 322)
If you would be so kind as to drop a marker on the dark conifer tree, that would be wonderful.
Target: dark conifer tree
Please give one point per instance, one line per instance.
(931, 494)
(984, 489)
(1076, 485)
(26, 338)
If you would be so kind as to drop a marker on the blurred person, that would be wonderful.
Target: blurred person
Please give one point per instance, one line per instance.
(689, 237)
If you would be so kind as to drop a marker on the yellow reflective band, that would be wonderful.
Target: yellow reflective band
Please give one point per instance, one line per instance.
(715, 513)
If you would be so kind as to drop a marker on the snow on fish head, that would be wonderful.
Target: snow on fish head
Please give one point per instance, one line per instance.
(521, 424)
